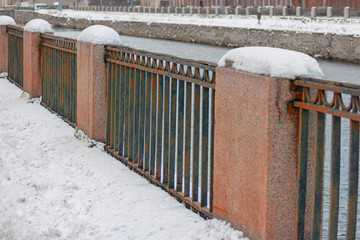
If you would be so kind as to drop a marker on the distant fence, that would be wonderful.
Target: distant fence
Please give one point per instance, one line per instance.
(15, 57)
(278, 10)
(340, 101)
(152, 100)
(59, 73)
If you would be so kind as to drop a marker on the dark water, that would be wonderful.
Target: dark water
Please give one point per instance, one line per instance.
(337, 71)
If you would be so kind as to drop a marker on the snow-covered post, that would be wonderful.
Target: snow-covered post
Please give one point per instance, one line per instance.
(217, 11)
(237, 10)
(247, 13)
(32, 57)
(191, 9)
(329, 12)
(256, 140)
(271, 11)
(298, 11)
(284, 11)
(313, 13)
(346, 13)
(91, 79)
(4, 47)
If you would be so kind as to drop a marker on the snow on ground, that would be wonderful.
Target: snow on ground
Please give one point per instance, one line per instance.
(335, 25)
(273, 62)
(56, 185)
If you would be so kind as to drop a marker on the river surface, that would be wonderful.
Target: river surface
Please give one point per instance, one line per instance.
(337, 71)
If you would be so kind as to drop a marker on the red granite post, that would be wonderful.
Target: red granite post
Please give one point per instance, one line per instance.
(256, 144)
(3, 49)
(91, 90)
(32, 64)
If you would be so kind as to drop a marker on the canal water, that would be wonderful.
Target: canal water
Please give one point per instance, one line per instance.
(337, 71)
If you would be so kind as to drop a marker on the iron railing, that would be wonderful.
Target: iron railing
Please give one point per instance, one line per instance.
(160, 121)
(316, 99)
(15, 53)
(59, 73)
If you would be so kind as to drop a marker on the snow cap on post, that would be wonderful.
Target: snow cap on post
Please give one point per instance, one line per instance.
(99, 34)
(273, 62)
(6, 20)
(39, 26)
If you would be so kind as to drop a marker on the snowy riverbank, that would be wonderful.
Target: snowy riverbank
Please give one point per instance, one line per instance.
(58, 184)
(336, 25)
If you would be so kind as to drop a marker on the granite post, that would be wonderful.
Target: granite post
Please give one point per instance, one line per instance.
(255, 154)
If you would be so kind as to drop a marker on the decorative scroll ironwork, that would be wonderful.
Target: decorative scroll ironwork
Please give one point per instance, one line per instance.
(14, 30)
(200, 72)
(160, 115)
(63, 44)
(326, 97)
(319, 101)
(59, 76)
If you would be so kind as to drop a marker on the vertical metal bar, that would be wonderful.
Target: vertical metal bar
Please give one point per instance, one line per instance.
(153, 123)
(196, 144)
(131, 114)
(353, 180)
(116, 77)
(126, 111)
(302, 173)
(319, 175)
(136, 115)
(166, 130)
(205, 146)
(159, 127)
(122, 107)
(147, 120)
(180, 137)
(172, 133)
(335, 178)
(187, 140)
(142, 118)
(112, 103)
(211, 184)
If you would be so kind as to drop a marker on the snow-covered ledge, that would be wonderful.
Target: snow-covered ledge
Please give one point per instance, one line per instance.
(39, 26)
(272, 62)
(99, 34)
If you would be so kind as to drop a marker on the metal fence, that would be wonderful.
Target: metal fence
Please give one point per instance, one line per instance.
(161, 119)
(59, 73)
(15, 51)
(341, 103)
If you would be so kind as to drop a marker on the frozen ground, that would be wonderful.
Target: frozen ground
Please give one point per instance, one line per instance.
(56, 184)
(322, 25)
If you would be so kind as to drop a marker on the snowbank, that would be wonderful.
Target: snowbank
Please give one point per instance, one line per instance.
(273, 62)
(38, 25)
(6, 20)
(98, 34)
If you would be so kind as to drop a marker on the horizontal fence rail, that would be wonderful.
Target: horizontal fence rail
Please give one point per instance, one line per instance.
(59, 74)
(160, 121)
(15, 51)
(341, 102)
